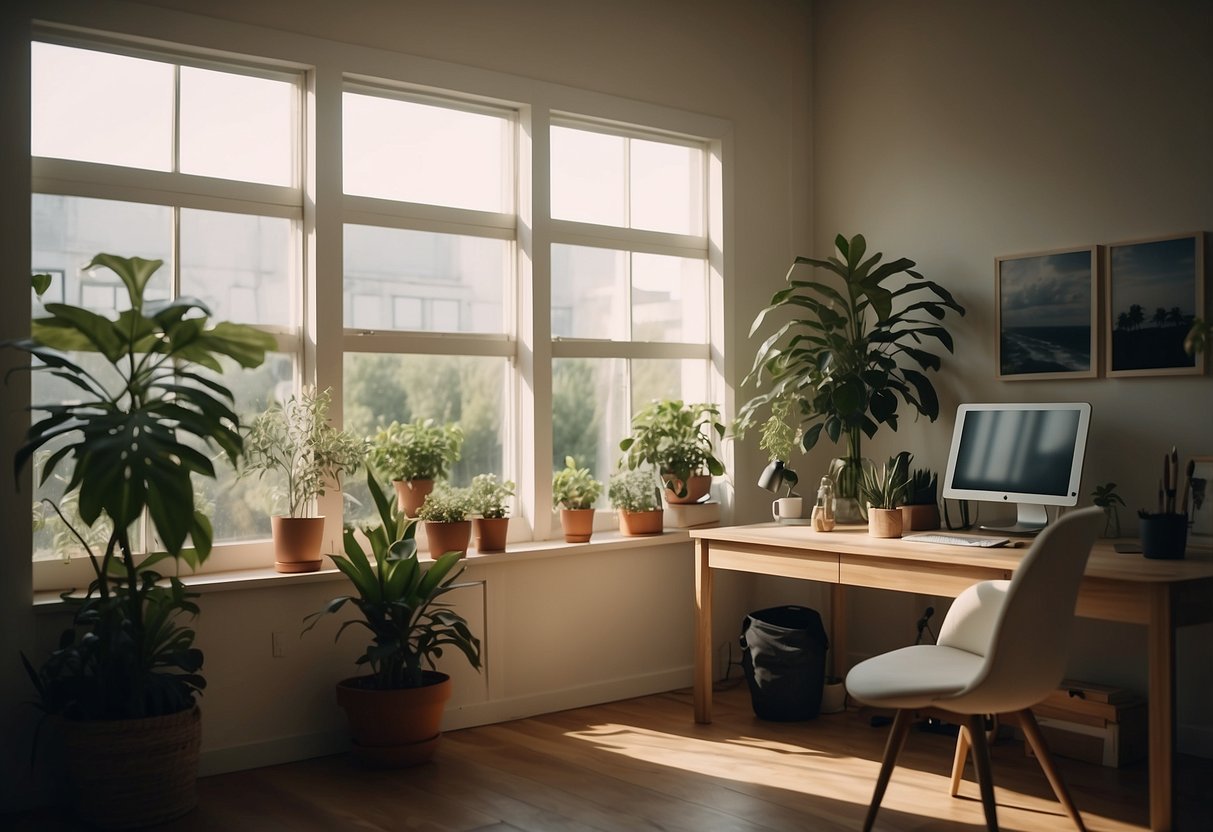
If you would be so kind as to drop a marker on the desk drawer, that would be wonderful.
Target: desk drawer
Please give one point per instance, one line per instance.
(763, 560)
(923, 577)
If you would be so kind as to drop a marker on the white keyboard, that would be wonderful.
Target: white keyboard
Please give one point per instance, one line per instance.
(957, 539)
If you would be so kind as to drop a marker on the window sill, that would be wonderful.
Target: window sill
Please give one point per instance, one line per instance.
(265, 577)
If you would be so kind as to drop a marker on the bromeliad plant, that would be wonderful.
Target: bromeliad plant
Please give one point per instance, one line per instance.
(296, 440)
(885, 487)
(848, 356)
(133, 440)
(399, 600)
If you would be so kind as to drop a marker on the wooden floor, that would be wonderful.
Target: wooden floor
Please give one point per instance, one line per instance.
(643, 764)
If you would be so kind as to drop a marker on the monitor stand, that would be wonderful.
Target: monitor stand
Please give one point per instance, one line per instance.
(1030, 519)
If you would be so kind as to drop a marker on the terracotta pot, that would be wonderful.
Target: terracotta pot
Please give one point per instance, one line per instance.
(884, 522)
(919, 518)
(697, 488)
(297, 543)
(491, 533)
(578, 524)
(410, 494)
(395, 728)
(448, 537)
(641, 522)
(129, 773)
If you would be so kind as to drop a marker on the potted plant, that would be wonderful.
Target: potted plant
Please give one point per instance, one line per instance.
(414, 455)
(575, 490)
(883, 490)
(297, 441)
(635, 494)
(848, 356)
(678, 440)
(445, 513)
(395, 711)
(488, 501)
(920, 511)
(1105, 497)
(126, 673)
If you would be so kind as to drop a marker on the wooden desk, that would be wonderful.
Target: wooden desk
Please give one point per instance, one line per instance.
(1161, 595)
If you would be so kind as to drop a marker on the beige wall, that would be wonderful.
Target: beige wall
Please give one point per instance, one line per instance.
(955, 132)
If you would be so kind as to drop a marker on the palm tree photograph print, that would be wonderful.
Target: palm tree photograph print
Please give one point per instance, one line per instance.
(1155, 291)
(1047, 319)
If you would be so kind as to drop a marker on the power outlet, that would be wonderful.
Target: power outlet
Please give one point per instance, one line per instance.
(277, 645)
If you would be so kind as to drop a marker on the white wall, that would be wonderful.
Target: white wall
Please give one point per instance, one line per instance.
(559, 631)
(955, 132)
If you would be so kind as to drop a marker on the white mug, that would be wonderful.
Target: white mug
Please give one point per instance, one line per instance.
(787, 508)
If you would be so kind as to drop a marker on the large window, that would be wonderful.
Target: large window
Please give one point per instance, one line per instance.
(535, 275)
(630, 309)
(196, 165)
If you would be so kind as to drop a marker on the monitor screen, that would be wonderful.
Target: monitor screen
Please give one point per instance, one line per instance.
(1026, 454)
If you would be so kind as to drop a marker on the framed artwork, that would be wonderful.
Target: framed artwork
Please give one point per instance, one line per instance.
(1155, 290)
(1200, 518)
(1047, 315)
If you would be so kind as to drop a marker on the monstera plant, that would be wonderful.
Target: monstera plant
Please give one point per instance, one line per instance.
(851, 352)
(131, 441)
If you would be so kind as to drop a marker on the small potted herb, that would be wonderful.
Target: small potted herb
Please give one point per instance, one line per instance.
(635, 494)
(575, 490)
(489, 505)
(445, 514)
(296, 441)
(415, 455)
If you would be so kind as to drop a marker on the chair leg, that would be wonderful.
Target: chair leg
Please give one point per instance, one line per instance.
(981, 763)
(1031, 732)
(958, 762)
(897, 739)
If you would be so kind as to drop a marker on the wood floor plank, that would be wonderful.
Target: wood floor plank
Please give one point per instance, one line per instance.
(644, 764)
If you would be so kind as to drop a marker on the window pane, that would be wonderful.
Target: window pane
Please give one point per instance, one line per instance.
(398, 279)
(97, 107)
(668, 299)
(240, 508)
(666, 192)
(589, 413)
(241, 266)
(588, 293)
(587, 176)
(413, 152)
(237, 127)
(668, 378)
(469, 390)
(69, 231)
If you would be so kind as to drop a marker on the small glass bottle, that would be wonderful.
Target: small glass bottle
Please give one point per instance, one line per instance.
(823, 511)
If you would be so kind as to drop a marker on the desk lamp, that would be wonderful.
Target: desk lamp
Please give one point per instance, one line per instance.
(777, 475)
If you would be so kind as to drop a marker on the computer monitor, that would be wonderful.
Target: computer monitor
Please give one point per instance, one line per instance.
(1027, 454)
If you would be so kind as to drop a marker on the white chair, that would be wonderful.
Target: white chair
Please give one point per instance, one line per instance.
(1001, 649)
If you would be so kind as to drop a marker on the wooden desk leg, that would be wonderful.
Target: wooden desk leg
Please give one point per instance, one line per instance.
(702, 680)
(1161, 638)
(838, 630)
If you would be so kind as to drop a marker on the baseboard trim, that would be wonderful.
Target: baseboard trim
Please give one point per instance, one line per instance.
(306, 746)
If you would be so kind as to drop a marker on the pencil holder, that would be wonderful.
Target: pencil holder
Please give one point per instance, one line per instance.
(1164, 536)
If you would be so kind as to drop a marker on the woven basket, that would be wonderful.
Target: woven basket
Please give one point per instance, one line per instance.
(124, 774)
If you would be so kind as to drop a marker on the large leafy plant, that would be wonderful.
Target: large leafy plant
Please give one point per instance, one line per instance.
(398, 600)
(133, 439)
(850, 356)
(296, 440)
(677, 439)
